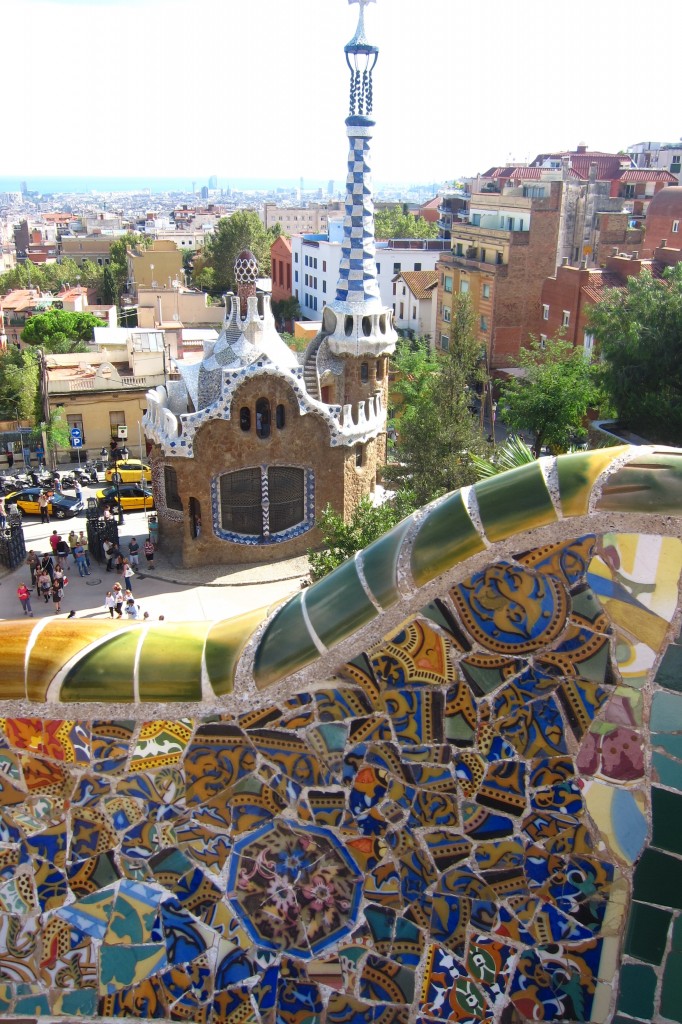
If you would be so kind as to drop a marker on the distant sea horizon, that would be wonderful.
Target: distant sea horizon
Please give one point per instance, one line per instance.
(84, 184)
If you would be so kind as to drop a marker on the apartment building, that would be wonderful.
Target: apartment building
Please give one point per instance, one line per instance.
(316, 261)
(296, 219)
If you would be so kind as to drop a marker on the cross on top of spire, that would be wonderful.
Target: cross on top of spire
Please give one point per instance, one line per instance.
(359, 40)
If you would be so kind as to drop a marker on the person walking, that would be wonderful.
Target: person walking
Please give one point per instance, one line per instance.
(118, 599)
(54, 540)
(44, 585)
(24, 595)
(83, 540)
(57, 595)
(3, 513)
(110, 603)
(47, 563)
(73, 540)
(79, 559)
(149, 552)
(108, 548)
(44, 506)
(132, 609)
(33, 561)
(134, 552)
(63, 551)
(128, 573)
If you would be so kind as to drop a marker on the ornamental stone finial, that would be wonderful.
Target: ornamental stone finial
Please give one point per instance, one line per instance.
(359, 39)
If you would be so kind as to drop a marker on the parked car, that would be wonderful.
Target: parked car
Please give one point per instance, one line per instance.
(134, 497)
(61, 506)
(128, 471)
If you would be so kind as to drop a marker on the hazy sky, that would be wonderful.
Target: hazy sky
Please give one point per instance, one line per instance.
(260, 88)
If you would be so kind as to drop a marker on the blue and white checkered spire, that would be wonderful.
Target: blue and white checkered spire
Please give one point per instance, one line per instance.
(358, 268)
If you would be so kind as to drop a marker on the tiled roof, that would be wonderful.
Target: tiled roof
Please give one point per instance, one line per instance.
(420, 282)
(647, 174)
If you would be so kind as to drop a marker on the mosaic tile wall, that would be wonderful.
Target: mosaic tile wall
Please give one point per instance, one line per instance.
(476, 817)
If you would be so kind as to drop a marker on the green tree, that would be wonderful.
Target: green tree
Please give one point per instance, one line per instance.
(56, 430)
(394, 222)
(243, 230)
(552, 398)
(286, 309)
(60, 331)
(109, 293)
(436, 431)
(118, 256)
(19, 379)
(639, 333)
(367, 523)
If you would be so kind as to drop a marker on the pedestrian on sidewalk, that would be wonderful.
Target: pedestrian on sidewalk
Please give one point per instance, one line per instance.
(33, 561)
(134, 552)
(132, 609)
(110, 603)
(108, 547)
(57, 595)
(118, 599)
(47, 563)
(79, 559)
(3, 513)
(63, 551)
(44, 506)
(149, 552)
(128, 573)
(54, 540)
(24, 595)
(44, 585)
(82, 539)
(73, 540)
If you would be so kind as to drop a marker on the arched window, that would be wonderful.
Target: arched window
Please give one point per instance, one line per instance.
(364, 372)
(170, 481)
(245, 418)
(359, 456)
(265, 504)
(380, 369)
(280, 417)
(263, 417)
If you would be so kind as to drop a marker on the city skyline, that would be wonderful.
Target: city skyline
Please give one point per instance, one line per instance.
(454, 94)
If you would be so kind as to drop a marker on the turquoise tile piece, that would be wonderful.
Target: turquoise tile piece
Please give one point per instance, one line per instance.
(671, 995)
(338, 604)
(637, 990)
(669, 674)
(677, 934)
(666, 812)
(658, 879)
(285, 647)
(380, 564)
(666, 712)
(671, 744)
(667, 771)
(647, 932)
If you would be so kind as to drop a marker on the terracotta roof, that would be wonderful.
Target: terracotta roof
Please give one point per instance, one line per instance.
(420, 282)
(432, 204)
(647, 174)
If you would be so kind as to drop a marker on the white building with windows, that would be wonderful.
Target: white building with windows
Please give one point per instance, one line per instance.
(315, 261)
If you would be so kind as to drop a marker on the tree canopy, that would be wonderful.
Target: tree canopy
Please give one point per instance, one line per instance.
(61, 331)
(639, 333)
(52, 277)
(242, 230)
(551, 400)
(367, 523)
(436, 431)
(395, 222)
(19, 378)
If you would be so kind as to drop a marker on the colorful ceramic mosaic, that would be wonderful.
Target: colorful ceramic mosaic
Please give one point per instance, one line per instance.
(473, 817)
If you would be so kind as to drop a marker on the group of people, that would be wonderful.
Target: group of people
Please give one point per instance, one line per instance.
(49, 580)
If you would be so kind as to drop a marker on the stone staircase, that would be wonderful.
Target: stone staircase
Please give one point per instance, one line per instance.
(310, 377)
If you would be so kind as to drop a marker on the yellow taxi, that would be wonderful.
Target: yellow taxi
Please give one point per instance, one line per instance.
(134, 498)
(128, 471)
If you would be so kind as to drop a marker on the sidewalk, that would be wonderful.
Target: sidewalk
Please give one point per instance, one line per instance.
(204, 592)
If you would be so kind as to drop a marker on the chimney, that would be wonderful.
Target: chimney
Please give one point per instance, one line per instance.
(664, 243)
(583, 264)
(593, 170)
(564, 261)
(614, 251)
(635, 255)
(582, 147)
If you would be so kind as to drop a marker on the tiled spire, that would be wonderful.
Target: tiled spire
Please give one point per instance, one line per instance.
(357, 272)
